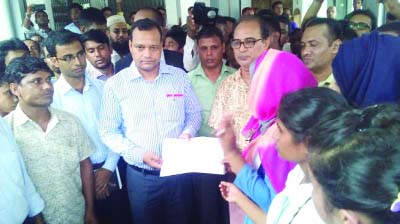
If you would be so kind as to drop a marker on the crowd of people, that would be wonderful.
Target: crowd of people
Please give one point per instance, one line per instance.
(307, 116)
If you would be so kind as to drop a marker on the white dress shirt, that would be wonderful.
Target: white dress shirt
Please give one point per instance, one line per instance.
(73, 28)
(294, 204)
(86, 106)
(190, 55)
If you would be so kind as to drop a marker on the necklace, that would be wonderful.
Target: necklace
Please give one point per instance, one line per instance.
(298, 210)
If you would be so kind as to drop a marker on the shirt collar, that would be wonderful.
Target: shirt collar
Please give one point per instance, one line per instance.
(135, 74)
(64, 87)
(21, 118)
(327, 82)
(94, 72)
(198, 71)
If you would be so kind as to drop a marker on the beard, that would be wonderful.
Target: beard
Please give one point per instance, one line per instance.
(122, 48)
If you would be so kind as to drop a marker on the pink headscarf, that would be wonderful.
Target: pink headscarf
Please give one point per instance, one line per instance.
(277, 73)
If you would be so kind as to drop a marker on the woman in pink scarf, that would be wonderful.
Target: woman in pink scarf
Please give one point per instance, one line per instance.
(276, 74)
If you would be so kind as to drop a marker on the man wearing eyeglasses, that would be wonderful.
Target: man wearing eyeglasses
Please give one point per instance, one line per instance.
(361, 21)
(79, 94)
(250, 40)
(142, 105)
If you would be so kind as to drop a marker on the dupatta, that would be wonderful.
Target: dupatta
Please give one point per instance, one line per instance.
(367, 69)
(276, 74)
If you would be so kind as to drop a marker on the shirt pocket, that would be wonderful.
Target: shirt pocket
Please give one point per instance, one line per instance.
(173, 107)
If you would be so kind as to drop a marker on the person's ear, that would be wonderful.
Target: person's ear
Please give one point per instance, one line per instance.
(14, 89)
(266, 43)
(130, 46)
(348, 217)
(335, 46)
(223, 47)
(54, 61)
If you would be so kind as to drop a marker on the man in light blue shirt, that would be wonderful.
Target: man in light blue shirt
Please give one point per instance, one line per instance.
(18, 196)
(79, 94)
(142, 105)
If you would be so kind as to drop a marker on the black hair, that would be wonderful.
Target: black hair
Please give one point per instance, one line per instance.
(210, 31)
(365, 13)
(283, 19)
(230, 19)
(272, 24)
(263, 26)
(354, 155)
(6, 46)
(41, 11)
(75, 6)
(393, 27)
(276, 3)
(59, 38)
(91, 15)
(158, 17)
(161, 8)
(348, 33)
(106, 9)
(178, 34)
(132, 13)
(20, 67)
(265, 13)
(146, 25)
(301, 110)
(97, 36)
(334, 28)
(246, 9)
(390, 17)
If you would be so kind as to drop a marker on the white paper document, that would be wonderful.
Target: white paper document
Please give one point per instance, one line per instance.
(197, 155)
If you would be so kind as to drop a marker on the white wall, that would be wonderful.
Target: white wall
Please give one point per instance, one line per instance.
(11, 16)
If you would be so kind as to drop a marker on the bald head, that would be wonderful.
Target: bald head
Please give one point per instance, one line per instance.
(149, 13)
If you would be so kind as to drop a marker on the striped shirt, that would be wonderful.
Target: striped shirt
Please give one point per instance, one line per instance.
(137, 115)
(86, 106)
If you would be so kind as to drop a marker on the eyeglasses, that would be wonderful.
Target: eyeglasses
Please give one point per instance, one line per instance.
(69, 58)
(359, 26)
(247, 43)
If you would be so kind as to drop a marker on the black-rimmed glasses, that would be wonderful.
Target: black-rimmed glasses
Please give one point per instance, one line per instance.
(247, 43)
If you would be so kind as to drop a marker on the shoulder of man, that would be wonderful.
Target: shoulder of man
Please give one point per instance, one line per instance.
(123, 63)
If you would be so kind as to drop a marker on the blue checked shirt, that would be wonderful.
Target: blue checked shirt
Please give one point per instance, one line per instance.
(137, 115)
(86, 106)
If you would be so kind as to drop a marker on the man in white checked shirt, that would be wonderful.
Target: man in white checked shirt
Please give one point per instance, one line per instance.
(142, 105)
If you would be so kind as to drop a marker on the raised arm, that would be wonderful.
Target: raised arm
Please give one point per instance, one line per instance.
(118, 7)
(27, 20)
(312, 10)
